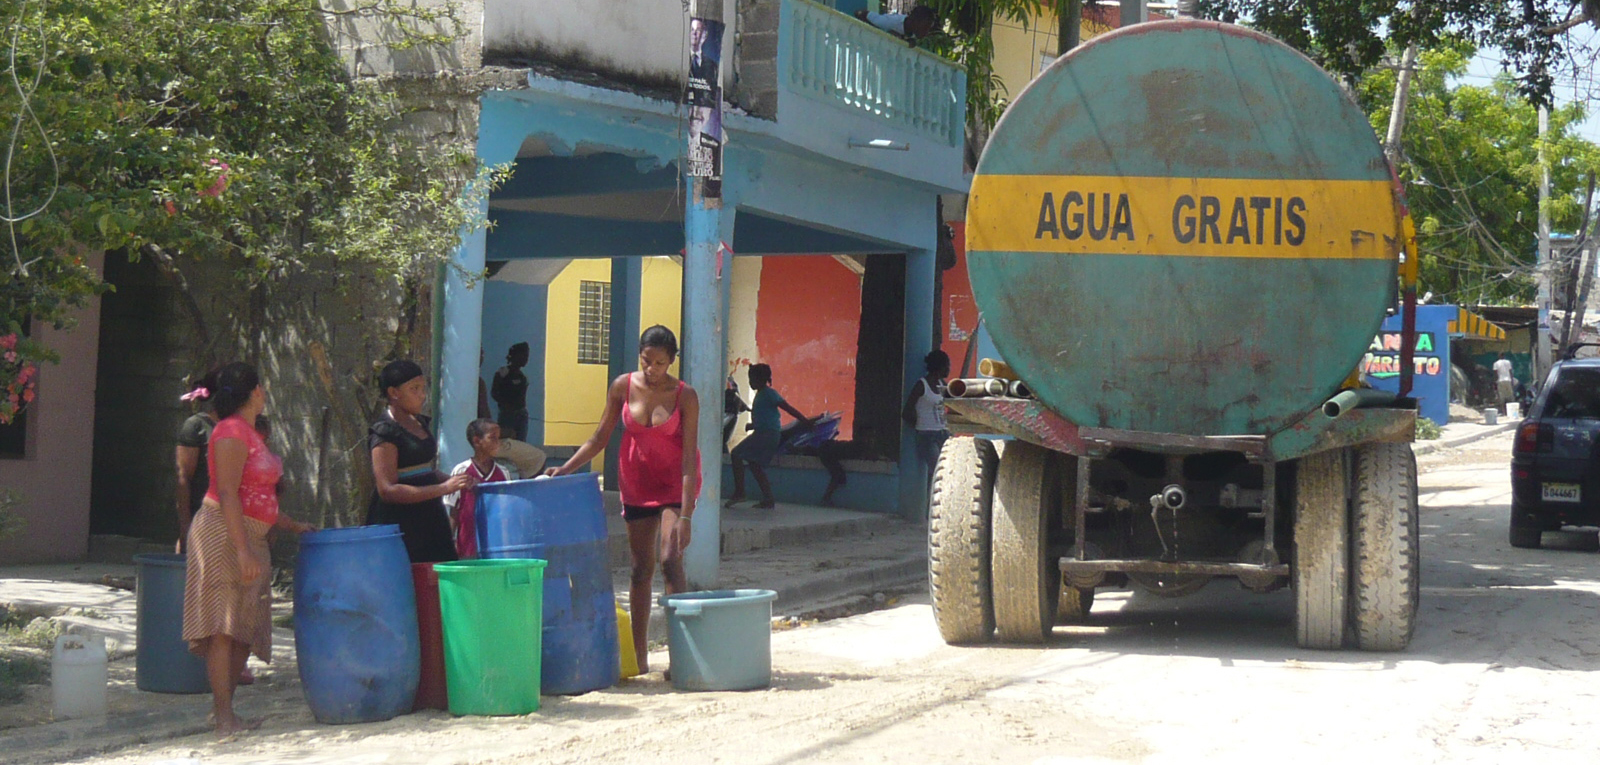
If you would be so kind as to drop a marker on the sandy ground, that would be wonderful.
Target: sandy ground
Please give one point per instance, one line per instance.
(1501, 671)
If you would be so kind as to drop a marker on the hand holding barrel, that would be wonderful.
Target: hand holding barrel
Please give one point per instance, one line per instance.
(460, 482)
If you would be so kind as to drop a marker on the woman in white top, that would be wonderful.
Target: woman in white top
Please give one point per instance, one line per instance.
(925, 411)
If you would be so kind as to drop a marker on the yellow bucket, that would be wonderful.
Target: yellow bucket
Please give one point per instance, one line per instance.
(630, 664)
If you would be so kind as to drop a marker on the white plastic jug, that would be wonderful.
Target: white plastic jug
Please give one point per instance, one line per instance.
(78, 677)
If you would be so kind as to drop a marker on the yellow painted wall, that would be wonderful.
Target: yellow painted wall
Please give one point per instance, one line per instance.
(661, 301)
(742, 350)
(575, 394)
(1019, 45)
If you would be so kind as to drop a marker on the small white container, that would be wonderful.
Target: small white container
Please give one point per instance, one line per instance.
(1513, 410)
(78, 677)
(1491, 416)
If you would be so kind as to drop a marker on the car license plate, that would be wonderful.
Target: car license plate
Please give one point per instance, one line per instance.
(1562, 492)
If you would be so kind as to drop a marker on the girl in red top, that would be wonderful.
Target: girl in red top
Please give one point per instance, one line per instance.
(658, 468)
(227, 604)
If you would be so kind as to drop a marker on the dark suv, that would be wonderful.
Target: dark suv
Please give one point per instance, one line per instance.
(1555, 473)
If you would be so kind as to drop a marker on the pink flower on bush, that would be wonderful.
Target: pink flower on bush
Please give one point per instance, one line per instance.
(11, 357)
(27, 396)
(9, 342)
(27, 373)
(221, 184)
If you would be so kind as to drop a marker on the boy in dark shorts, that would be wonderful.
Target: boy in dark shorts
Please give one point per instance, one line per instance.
(766, 426)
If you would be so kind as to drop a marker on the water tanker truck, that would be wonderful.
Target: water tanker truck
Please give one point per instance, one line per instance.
(1182, 237)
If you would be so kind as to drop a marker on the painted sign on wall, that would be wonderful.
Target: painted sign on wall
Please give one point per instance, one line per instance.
(1430, 370)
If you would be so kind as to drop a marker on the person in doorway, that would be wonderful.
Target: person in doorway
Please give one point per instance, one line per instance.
(510, 392)
(484, 436)
(766, 435)
(924, 412)
(658, 468)
(227, 603)
(407, 490)
(1505, 381)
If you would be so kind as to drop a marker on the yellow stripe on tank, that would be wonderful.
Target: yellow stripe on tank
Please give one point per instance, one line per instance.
(1200, 217)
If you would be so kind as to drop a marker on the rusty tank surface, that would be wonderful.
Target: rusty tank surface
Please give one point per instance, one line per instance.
(1182, 238)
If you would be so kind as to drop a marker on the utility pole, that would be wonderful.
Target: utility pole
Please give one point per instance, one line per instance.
(1134, 12)
(1541, 340)
(1069, 20)
(704, 342)
(1397, 114)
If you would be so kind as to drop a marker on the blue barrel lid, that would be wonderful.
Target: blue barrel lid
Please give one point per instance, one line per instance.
(505, 487)
(162, 560)
(350, 534)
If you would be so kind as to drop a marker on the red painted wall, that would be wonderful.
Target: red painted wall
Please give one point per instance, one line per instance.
(958, 315)
(807, 319)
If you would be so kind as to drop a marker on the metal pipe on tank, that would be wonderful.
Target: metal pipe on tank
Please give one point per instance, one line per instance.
(996, 368)
(1019, 389)
(1355, 398)
(975, 388)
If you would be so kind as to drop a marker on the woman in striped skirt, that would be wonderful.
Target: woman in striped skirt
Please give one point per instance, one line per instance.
(227, 603)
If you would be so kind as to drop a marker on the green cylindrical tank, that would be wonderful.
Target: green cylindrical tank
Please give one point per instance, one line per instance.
(1183, 227)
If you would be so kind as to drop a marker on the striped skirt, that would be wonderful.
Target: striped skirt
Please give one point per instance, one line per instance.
(215, 602)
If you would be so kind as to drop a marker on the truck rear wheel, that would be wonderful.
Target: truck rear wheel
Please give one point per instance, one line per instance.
(958, 540)
(1026, 582)
(1074, 604)
(1385, 574)
(1321, 532)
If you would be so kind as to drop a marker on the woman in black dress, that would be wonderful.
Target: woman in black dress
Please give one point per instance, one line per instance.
(407, 490)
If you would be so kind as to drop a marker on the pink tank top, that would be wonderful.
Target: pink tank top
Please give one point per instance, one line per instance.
(650, 465)
(258, 485)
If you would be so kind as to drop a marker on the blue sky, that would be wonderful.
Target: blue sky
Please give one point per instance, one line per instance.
(1568, 89)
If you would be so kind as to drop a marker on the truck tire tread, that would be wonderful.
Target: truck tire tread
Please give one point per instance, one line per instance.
(1025, 582)
(1385, 575)
(1321, 530)
(958, 540)
(1074, 604)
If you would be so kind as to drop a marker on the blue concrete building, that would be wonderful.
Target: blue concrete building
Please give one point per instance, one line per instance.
(838, 140)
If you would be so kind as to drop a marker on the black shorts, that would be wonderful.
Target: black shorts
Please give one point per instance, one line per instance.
(637, 513)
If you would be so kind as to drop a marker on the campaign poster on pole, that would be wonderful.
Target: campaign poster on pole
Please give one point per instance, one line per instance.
(704, 99)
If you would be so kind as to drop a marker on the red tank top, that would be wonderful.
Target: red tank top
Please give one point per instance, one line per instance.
(650, 465)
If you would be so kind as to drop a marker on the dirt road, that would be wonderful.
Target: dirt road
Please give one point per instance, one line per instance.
(1500, 671)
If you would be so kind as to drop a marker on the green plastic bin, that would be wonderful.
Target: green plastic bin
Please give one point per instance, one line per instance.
(493, 614)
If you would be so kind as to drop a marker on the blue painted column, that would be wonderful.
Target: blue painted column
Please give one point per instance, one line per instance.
(627, 284)
(920, 265)
(461, 325)
(705, 361)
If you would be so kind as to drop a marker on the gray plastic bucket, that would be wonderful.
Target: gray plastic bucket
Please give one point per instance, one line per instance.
(163, 662)
(720, 640)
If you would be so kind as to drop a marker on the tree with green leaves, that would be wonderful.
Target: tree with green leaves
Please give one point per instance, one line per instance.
(1350, 37)
(968, 39)
(224, 130)
(1470, 166)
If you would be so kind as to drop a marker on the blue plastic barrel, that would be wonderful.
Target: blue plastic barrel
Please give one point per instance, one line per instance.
(164, 663)
(561, 521)
(720, 640)
(355, 624)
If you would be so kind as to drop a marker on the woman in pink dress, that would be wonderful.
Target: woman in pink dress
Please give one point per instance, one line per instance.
(658, 468)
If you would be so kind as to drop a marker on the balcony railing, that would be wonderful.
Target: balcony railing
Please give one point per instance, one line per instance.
(833, 57)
